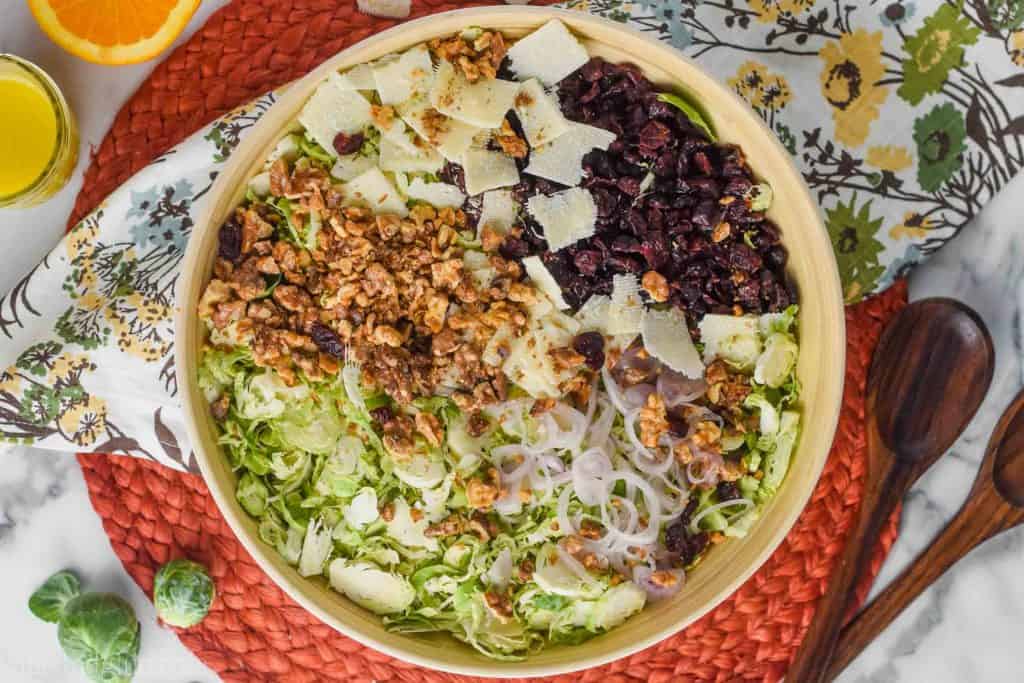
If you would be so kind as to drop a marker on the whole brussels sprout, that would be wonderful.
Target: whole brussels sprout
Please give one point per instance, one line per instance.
(182, 593)
(99, 631)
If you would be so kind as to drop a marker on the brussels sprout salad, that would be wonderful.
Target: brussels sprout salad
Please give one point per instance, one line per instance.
(433, 396)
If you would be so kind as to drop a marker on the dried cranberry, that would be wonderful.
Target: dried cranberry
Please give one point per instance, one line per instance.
(348, 144)
(591, 346)
(655, 135)
(727, 490)
(230, 240)
(680, 540)
(327, 340)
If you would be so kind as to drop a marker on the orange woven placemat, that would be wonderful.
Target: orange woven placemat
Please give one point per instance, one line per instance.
(254, 631)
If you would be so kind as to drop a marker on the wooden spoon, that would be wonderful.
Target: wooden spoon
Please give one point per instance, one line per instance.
(929, 374)
(995, 504)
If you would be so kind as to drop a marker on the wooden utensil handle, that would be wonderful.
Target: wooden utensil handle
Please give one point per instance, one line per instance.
(812, 659)
(981, 517)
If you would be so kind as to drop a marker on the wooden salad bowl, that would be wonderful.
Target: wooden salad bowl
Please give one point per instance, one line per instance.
(821, 366)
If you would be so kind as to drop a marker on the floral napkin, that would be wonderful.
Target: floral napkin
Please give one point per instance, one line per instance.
(905, 118)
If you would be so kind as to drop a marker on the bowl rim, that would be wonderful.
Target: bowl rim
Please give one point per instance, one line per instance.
(185, 314)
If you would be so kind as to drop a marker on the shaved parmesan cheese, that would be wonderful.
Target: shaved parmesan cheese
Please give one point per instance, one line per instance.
(435, 194)
(544, 281)
(487, 170)
(374, 190)
(498, 345)
(392, 9)
(402, 77)
(359, 77)
(529, 362)
(482, 104)
(561, 160)
(398, 160)
(332, 110)
(351, 165)
(539, 114)
(451, 138)
(566, 217)
(400, 136)
(593, 314)
(287, 148)
(498, 211)
(667, 338)
(626, 309)
(549, 54)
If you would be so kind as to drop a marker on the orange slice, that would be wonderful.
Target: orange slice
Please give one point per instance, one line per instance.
(113, 31)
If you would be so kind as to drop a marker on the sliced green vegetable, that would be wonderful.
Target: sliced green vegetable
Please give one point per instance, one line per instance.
(692, 113)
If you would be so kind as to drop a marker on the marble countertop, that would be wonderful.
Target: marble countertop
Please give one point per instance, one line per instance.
(965, 628)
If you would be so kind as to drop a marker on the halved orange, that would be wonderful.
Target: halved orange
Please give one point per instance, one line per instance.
(113, 31)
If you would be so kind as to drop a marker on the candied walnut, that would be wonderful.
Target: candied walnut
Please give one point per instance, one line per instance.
(707, 435)
(664, 578)
(452, 525)
(652, 420)
(446, 342)
(591, 529)
(219, 408)
(482, 493)
(382, 115)
(499, 604)
(387, 512)
(415, 514)
(484, 528)
(510, 143)
(248, 282)
(526, 570)
(387, 335)
(573, 544)
(446, 274)
(291, 298)
(491, 239)
(541, 406)
(266, 312)
(682, 453)
(522, 293)
(731, 470)
(328, 363)
(227, 313)
(436, 309)
(721, 232)
(267, 265)
(429, 426)
(280, 183)
(565, 358)
(656, 285)
(477, 424)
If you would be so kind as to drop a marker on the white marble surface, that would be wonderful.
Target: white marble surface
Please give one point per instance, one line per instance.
(966, 628)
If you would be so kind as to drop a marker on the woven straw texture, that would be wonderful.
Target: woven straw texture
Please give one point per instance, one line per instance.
(254, 631)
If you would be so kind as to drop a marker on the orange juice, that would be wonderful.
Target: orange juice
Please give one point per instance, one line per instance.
(38, 141)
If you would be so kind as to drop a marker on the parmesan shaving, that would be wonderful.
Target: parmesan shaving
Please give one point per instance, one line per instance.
(544, 281)
(561, 160)
(332, 110)
(351, 165)
(539, 114)
(626, 309)
(435, 194)
(593, 314)
(487, 170)
(565, 217)
(483, 104)
(549, 54)
(498, 211)
(402, 77)
(374, 190)
(451, 137)
(667, 338)
(359, 77)
(398, 160)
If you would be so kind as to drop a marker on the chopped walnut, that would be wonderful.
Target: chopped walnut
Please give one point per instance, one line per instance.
(683, 453)
(653, 420)
(565, 358)
(477, 424)
(482, 493)
(720, 232)
(499, 604)
(526, 570)
(484, 528)
(219, 408)
(491, 239)
(591, 529)
(429, 426)
(510, 143)
(477, 58)
(707, 435)
(452, 525)
(664, 578)
(656, 285)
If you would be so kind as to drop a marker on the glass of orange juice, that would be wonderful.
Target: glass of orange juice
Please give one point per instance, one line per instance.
(38, 136)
